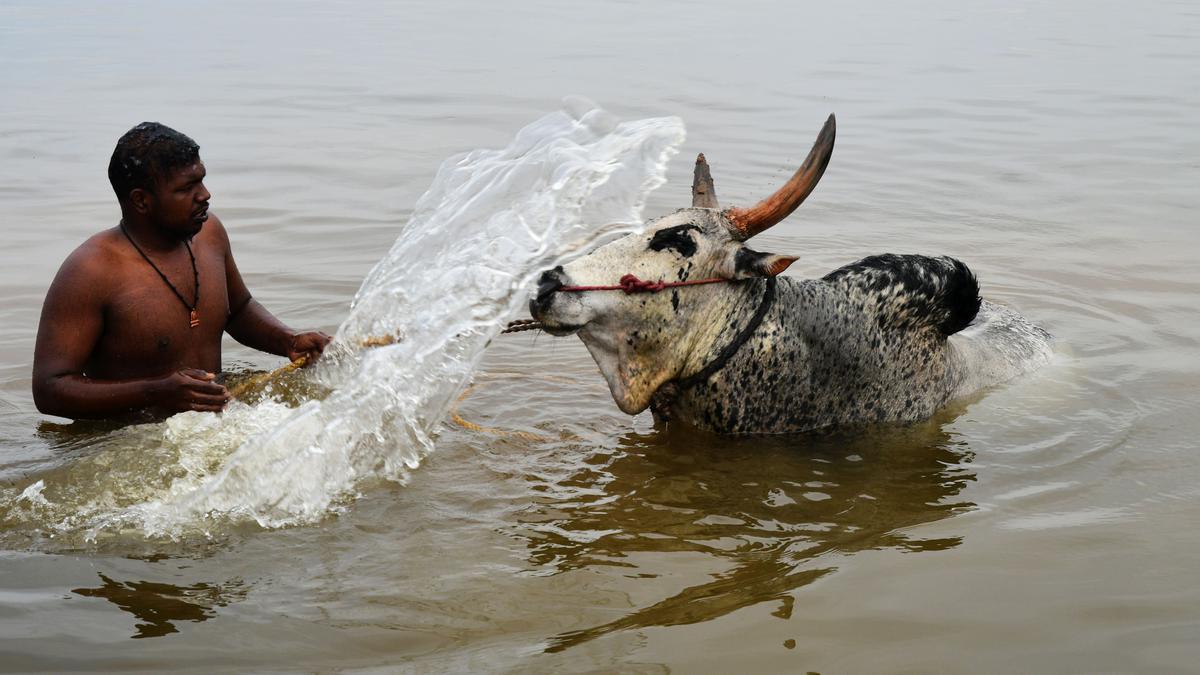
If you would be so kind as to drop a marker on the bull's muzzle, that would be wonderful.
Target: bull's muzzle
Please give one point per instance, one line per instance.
(548, 284)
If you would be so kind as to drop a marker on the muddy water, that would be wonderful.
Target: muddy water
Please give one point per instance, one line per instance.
(1048, 525)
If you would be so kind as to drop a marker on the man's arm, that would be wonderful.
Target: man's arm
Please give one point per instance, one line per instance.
(71, 325)
(252, 325)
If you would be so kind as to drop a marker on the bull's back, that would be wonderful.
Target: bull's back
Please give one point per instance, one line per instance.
(824, 357)
(839, 352)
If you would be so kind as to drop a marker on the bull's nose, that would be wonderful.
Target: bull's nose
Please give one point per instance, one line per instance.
(548, 283)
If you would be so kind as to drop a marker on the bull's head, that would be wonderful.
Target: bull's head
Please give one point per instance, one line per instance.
(642, 341)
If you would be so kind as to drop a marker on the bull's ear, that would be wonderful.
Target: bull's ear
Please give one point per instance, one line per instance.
(748, 263)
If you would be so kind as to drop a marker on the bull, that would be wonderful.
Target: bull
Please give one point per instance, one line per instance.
(704, 330)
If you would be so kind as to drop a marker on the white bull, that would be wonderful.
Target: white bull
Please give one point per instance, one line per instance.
(888, 338)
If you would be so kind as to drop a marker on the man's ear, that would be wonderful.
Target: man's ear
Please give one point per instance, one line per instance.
(140, 199)
(747, 263)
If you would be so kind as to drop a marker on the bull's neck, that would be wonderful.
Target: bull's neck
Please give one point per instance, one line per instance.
(724, 324)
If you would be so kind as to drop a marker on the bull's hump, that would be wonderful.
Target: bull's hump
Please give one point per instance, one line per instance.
(913, 291)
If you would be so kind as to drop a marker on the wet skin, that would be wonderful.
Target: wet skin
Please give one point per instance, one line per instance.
(114, 340)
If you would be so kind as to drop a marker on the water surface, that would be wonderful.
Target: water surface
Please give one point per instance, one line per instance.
(1047, 525)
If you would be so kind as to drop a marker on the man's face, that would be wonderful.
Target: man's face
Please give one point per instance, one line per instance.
(180, 203)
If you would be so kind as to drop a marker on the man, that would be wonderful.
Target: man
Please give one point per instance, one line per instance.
(133, 320)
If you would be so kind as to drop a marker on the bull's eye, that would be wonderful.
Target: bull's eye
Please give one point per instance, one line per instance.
(675, 238)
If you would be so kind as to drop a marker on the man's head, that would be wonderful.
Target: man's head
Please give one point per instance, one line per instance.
(157, 175)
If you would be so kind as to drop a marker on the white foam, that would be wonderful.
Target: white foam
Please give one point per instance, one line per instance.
(33, 494)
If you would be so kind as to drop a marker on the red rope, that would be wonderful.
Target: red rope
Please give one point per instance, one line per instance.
(631, 284)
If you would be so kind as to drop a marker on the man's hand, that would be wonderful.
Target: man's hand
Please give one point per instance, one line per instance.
(190, 389)
(308, 346)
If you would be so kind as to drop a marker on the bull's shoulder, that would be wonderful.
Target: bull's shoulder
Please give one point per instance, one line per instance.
(911, 291)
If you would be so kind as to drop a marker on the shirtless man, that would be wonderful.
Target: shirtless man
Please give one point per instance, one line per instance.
(134, 318)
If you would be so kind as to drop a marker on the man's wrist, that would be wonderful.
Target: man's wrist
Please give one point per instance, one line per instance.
(153, 390)
(286, 339)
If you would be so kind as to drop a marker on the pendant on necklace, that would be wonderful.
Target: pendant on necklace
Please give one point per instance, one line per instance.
(195, 319)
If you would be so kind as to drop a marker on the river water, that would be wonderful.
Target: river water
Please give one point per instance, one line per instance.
(1044, 526)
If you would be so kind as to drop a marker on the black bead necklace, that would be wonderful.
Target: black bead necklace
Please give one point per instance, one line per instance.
(193, 317)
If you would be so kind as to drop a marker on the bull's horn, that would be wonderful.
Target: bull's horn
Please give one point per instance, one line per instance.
(778, 206)
(704, 193)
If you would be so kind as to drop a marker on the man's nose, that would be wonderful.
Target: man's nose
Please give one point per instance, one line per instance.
(548, 284)
(204, 195)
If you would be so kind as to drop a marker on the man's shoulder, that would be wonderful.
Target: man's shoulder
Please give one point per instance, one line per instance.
(87, 272)
(95, 257)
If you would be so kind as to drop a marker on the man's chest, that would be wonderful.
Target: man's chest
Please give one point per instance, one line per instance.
(162, 320)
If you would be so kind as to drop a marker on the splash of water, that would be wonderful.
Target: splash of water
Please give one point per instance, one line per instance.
(491, 221)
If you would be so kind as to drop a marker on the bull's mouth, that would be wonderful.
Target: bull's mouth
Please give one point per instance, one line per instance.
(560, 329)
(540, 308)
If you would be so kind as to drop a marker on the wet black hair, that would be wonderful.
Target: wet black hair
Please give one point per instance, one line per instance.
(145, 154)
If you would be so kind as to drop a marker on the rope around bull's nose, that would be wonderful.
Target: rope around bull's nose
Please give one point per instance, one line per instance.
(240, 389)
(494, 431)
(631, 284)
(509, 433)
(255, 381)
(521, 325)
(628, 283)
